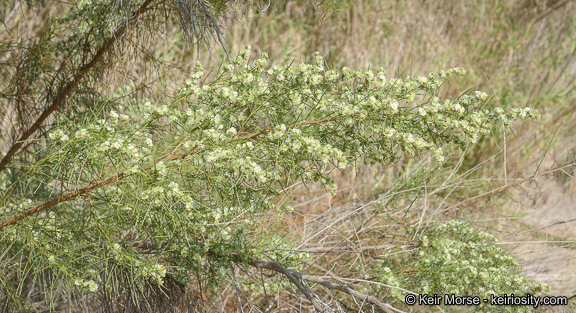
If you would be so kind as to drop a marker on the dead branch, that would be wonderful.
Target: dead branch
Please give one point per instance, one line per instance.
(295, 275)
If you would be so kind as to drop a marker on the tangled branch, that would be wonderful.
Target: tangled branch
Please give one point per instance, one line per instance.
(295, 275)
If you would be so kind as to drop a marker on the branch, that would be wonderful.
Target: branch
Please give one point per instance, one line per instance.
(288, 273)
(66, 197)
(295, 276)
(113, 179)
(292, 275)
(70, 86)
(265, 131)
(558, 6)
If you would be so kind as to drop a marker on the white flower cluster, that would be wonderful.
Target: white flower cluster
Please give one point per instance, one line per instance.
(324, 152)
(382, 97)
(251, 169)
(115, 116)
(91, 285)
(453, 256)
(58, 135)
(523, 113)
(390, 279)
(161, 168)
(160, 194)
(117, 251)
(102, 140)
(83, 133)
(151, 109)
(156, 271)
(11, 207)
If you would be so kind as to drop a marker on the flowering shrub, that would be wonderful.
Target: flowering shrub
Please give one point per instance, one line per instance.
(184, 179)
(453, 258)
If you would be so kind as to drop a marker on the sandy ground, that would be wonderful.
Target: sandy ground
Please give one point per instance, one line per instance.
(543, 238)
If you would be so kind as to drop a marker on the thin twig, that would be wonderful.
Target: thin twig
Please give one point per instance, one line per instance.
(500, 189)
(558, 6)
(542, 227)
(548, 148)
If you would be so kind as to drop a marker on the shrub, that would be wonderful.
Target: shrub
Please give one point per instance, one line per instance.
(454, 259)
(167, 193)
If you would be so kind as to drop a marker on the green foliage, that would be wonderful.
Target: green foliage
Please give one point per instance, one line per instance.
(453, 258)
(127, 198)
(171, 190)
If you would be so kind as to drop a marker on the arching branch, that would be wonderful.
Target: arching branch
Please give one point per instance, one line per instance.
(113, 179)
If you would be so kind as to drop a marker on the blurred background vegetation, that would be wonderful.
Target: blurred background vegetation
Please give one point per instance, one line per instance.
(522, 52)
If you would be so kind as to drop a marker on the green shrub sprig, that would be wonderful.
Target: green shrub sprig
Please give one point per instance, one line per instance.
(453, 258)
